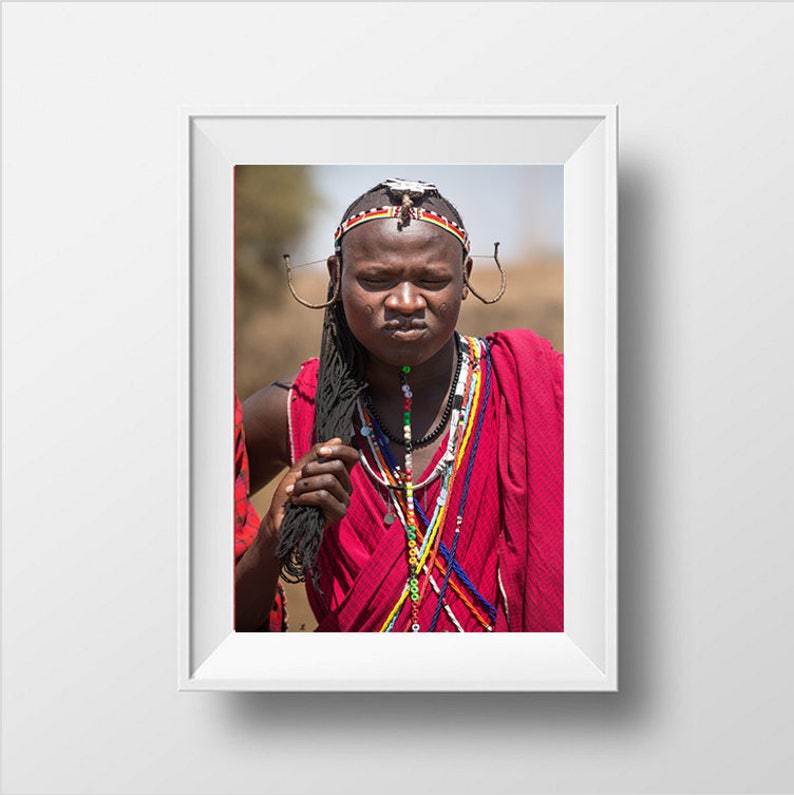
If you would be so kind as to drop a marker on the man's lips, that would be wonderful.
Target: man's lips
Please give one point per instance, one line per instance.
(404, 331)
(411, 326)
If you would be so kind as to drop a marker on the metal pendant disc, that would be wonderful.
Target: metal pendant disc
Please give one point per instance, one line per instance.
(389, 519)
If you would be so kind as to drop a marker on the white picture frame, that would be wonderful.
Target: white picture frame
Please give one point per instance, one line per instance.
(583, 139)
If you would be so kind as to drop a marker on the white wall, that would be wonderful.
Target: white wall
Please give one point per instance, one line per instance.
(89, 388)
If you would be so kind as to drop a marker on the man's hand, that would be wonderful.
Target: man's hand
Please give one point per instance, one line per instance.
(321, 478)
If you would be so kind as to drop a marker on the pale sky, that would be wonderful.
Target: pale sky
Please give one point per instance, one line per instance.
(520, 206)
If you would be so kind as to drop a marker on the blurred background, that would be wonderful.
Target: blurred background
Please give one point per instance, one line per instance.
(295, 209)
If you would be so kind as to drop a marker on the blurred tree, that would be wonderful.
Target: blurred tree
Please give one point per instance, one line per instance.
(272, 209)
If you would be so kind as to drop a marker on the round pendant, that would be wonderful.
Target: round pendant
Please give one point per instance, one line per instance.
(389, 519)
(365, 430)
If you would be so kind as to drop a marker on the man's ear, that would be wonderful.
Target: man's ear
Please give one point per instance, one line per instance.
(467, 265)
(334, 266)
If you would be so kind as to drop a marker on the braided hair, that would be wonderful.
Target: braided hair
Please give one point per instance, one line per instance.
(341, 379)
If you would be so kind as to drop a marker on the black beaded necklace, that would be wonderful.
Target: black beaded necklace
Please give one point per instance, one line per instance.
(425, 440)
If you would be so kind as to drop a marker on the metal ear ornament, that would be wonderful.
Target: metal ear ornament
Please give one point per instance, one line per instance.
(502, 286)
(332, 300)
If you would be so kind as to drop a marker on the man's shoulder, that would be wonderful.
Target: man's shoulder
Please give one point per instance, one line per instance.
(522, 356)
(520, 341)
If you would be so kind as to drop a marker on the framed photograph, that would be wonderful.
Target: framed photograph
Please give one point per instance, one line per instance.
(575, 151)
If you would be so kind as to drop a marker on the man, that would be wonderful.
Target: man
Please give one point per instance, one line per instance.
(424, 490)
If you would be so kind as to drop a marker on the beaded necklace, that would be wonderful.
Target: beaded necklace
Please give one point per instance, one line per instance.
(400, 511)
(464, 497)
(437, 520)
(425, 548)
(461, 574)
(410, 527)
(390, 474)
(370, 423)
(425, 440)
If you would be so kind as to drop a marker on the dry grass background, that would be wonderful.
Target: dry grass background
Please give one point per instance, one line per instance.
(272, 343)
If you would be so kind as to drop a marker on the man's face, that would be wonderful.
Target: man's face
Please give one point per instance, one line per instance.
(401, 289)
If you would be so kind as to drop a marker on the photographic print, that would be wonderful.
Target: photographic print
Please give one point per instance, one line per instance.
(486, 530)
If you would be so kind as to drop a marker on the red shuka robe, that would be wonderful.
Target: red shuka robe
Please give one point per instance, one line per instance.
(511, 540)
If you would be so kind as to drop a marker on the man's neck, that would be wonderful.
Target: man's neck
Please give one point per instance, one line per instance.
(430, 379)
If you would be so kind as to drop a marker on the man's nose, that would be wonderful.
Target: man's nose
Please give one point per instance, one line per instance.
(406, 299)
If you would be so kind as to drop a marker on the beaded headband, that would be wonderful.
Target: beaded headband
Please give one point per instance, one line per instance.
(405, 192)
(394, 211)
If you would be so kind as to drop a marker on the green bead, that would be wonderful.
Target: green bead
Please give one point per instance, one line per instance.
(406, 369)
(414, 596)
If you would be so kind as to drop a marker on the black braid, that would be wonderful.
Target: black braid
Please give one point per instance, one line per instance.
(341, 378)
(339, 382)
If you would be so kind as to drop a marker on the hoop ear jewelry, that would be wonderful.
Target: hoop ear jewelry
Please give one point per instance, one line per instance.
(332, 300)
(503, 285)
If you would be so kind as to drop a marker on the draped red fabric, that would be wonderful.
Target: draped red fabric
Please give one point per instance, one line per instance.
(510, 546)
(246, 520)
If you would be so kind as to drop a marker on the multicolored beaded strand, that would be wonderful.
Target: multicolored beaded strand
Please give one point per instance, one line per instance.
(410, 528)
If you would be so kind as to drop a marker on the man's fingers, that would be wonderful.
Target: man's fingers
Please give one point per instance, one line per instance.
(334, 449)
(327, 448)
(333, 467)
(321, 478)
(322, 482)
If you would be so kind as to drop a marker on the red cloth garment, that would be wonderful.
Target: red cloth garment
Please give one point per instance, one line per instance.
(510, 545)
(246, 520)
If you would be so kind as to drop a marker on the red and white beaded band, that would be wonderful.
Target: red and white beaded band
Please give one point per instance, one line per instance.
(397, 211)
